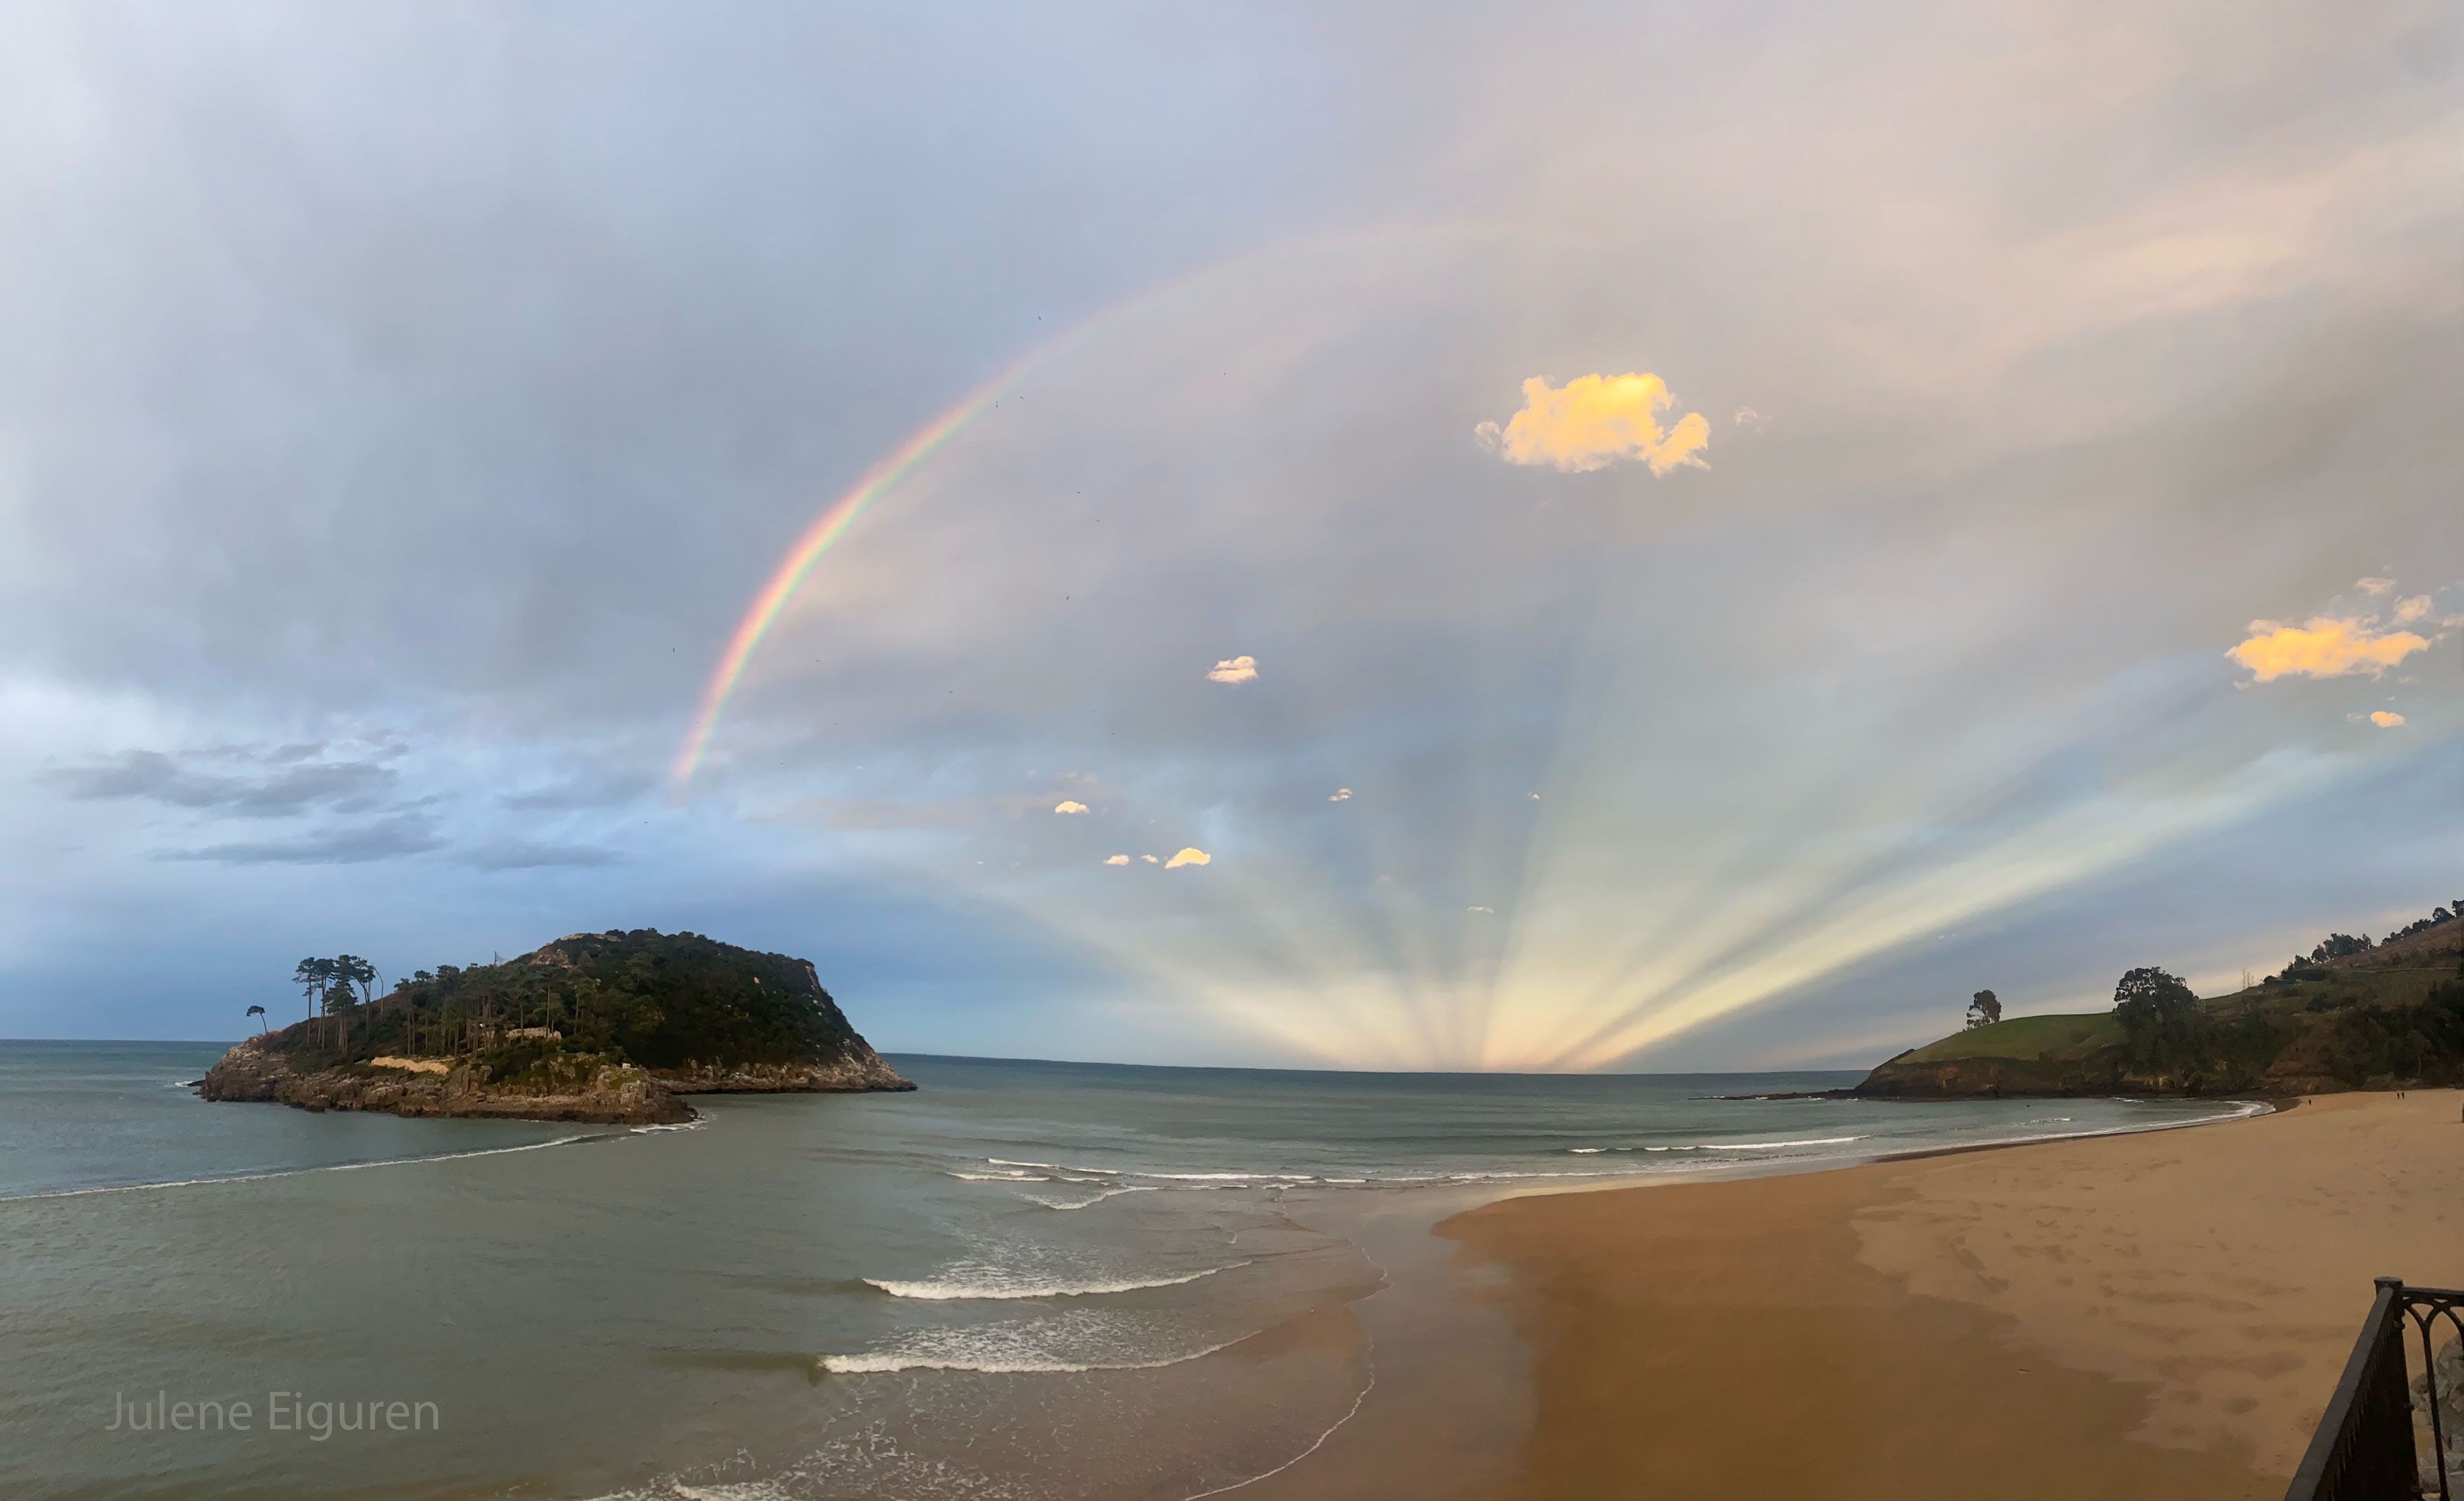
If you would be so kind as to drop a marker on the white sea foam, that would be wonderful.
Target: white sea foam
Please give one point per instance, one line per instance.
(1232, 1178)
(293, 1172)
(1000, 1178)
(1737, 1146)
(681, 1125)
(979, 1284)
(1093, 1199)
(994, 1360)
(1585, 1151)
(1773, 1146)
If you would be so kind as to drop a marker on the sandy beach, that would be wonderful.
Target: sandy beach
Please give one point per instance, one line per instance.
(2153, 1314)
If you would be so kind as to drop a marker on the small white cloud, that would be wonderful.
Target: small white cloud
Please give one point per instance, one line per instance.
(1191, 855)
(1536, 797)
(1147, 858)
(1117, 860)
(1341, 795)
(1068, 806)
(2374, 586)
(1234, 670)
(1490, 910)
(1747, 417)
(2408, 611)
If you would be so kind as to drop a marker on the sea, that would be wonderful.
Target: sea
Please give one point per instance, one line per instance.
(1025, 1280)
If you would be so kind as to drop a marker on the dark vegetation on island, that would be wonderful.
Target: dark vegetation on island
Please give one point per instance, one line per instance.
(595, 1025)
(2353, 1013)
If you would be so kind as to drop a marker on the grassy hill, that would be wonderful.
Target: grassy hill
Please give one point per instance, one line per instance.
(2343, 1017)
(687, 1008)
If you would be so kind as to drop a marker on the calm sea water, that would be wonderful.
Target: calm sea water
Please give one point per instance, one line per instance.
(1025, 1280)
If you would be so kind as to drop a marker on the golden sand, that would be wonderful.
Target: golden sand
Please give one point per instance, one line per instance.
(2153, 1314)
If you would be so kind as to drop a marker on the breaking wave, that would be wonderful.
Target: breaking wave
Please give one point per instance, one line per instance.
(993, 1286)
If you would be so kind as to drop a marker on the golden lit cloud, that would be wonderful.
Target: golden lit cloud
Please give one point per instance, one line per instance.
(1068, 806)
(2386, 720)
(1147, 858)
(1593, 420)
(1117, 860)
(1187, 856)
(2324, 647)
(2374, 586)
(1234, 670)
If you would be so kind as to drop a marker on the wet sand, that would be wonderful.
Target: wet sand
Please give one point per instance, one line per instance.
(2153, 1314)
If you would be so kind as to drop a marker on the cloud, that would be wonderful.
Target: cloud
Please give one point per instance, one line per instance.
(1189, 855)
(2374, 586)
(1147, 858)
(1068, 806)
(524, 854)
(1234, 670)
(2408, 611)
(1340, 795)
(345, 785)
(1117, 860)
(1747, 417)
(1593, 420)
(2386, 720)
(588, 792)
(408, 833)
(1490, 910)
(2326, 646)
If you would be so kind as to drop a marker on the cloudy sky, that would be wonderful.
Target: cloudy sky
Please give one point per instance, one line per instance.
(1554, 536)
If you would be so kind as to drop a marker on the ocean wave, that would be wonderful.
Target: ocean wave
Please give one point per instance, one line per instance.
(970, 1288)
(1773, 1146)
(1024, 1362)
(1093, 1199)
(294, 1172)
(1078, 1339)
(1054, 1168)
(681, 1125)
(1000, 1178)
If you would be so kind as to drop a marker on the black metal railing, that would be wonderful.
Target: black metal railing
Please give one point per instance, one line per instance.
(2386, 1436)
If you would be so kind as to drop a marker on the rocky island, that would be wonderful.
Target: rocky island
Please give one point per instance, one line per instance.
(607, 1027)
(2354, 1013)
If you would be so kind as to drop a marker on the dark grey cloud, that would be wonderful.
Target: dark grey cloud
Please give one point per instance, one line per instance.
(583, 793)
(342, 843)
(521, 854)
(344, 786)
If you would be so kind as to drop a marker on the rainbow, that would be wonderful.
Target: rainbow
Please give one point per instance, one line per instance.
(820, 537)
(883, 476)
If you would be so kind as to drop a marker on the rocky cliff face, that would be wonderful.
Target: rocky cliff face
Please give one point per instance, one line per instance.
(862, 1069)
(593, 1091)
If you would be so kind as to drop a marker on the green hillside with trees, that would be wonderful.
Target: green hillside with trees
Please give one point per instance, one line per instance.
(662, 1002)
(2353, 1013)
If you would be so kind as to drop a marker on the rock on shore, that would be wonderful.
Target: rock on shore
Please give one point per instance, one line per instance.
(862, 1069)
(593, 1091)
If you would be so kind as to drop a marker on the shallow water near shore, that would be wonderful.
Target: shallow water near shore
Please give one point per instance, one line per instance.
(1025, 1280)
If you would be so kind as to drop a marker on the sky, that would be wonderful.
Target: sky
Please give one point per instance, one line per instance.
(1676, 537)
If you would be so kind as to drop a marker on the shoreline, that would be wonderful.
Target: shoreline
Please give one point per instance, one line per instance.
(1435, 1305)
(2147, 1310)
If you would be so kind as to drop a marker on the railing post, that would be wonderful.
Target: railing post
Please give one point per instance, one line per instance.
(2362, 1450)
